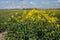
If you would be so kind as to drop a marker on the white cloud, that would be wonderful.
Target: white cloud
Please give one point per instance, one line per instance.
(32, 3)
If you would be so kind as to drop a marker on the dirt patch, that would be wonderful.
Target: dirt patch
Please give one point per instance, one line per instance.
(3, 35)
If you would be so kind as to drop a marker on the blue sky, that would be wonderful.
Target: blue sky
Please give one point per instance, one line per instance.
(11, 4)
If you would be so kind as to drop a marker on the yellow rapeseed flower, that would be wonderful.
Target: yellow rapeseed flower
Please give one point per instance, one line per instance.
(57, 26)
(45, 30)
(43, 19)
(5, 22)
(30, 14)
(52, 19)
(26, 16)
(32, 18)
(24, 11)
(9, 19)
(17, 20)
(52, 32)
(12, 16)
(44, 11)
(16, 13)
(38, 17)
(53, 14)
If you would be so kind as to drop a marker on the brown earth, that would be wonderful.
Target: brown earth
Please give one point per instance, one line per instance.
(3, 35)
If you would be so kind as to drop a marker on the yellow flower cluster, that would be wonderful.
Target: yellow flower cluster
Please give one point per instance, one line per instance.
(52, 19)
(16, 13)
(43, 14)
(39, 15)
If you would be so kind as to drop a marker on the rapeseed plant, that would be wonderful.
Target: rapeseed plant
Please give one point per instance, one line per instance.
(32, 25)
(12, 16)
(16, 13)
(5, 22)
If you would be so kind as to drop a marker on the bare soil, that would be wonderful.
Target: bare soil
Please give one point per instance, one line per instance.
(3, 35)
